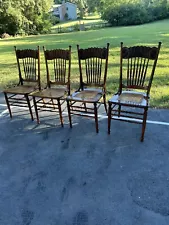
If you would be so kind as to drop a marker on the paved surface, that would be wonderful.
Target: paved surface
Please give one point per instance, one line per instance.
(60, 176)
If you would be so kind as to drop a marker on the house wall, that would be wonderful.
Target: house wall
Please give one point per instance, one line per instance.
(61, 10)
(56, 10)
(71, 10)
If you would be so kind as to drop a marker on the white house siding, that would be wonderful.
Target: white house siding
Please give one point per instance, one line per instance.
(71, 11)
(61, 10)
(56, 10)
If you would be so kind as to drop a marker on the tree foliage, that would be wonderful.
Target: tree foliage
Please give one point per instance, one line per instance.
(24, 16)
(131, 12)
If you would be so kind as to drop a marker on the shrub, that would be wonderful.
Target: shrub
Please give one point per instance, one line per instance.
(5, 35)
(158, 12)
(126, 14)
(9, 24)
(54, 20)
(134, 14)
(41, 25)
(76, 27)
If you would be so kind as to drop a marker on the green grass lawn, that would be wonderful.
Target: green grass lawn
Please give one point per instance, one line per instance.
(94, 19)
(148, 34)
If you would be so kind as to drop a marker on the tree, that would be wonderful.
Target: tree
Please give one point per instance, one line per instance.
(94, 5)
(81, 5)
(130, 12)
(29, 16)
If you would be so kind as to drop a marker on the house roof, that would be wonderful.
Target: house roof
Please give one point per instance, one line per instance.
(56, 5)
(70, 3)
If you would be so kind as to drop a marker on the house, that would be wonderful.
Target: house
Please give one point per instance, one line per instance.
(66, 10)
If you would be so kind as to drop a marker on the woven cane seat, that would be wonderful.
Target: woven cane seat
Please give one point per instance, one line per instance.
(87, 95)
(50, 93)
(22, 89)
(130, 97)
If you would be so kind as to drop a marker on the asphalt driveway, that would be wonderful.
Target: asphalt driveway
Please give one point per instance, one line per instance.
(60, 176)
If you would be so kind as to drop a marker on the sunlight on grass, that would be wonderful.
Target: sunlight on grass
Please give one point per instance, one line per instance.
(72, 23)
(92, 17)
(165, 35)
(148, 34)
(88, 20)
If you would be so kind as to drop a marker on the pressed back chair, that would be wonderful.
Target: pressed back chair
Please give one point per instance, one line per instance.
(58, 66)
(93, 64)
(137, 67)
(28, 62)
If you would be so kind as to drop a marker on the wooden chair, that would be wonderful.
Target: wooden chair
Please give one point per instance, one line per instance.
(28, 62)
(137, 67)
(93, 63)
(58, 65)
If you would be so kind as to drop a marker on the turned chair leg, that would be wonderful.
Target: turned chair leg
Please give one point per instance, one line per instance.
(105, 105)
(119, 110)
(85, 106)
(8, 105)
(96, 117)
(29, 106)
(69, 113)
(144, 124)
(60, 112)
(36, 110)
(109, 118)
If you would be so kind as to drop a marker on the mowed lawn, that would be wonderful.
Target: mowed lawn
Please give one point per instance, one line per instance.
(148, 34)
(89, 20)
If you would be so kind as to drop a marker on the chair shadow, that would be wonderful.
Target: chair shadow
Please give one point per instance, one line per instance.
(122, 134)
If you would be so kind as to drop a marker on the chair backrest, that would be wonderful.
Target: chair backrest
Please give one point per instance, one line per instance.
(28, 61)
(137, 67)
(58, 66)
(93, 64)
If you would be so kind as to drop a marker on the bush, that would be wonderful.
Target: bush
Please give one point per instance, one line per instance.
(126, 14)
(5, 35)
(9, 24)
(158, 12)
(134, 14)
(76, 27)
(54, 20)
(41, 25)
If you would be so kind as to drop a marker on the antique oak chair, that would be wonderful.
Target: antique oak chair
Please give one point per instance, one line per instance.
(93, 63)
(28, 61)
(137, 67)
(58, 65)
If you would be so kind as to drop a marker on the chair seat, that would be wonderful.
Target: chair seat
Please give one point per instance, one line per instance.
(21, 89)
(130, 98)
(87, 95)
(50, 93)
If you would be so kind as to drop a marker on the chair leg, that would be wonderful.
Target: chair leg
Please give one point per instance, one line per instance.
(109, 118)
(119, 110)
(105, 105)
(69, 113)
(8, 105)
(36, 110)
(60, 112)
(144, 124)
(29, 106)
(85, 106)
(96, 117)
